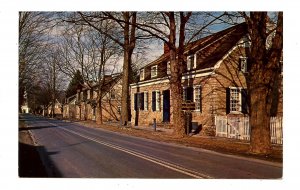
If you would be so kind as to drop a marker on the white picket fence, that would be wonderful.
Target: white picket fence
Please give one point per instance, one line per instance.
(239, 128)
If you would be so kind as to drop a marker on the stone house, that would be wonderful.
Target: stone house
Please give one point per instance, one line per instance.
(57, 109)
(82, 106)
(69, 111)
(213, 81)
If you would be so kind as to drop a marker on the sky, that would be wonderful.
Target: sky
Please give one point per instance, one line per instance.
(9, 93)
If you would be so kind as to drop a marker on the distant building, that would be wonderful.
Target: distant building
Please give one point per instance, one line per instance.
(83, 105)
(24, 107)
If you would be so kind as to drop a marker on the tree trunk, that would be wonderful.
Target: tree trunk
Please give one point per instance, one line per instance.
(125, 88)
(175, 81)
(259, 121)
(99, 118)
(263, 79)
(129, 45)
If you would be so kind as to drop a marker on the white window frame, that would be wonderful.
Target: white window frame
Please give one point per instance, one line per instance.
(88, 94)
(190, 63)
(168, 68)
(184, 93)
(197, 89)
(154, 71)
(146, 101)
(244, 64)
(142, 74)
(238, 98)
(157, 108)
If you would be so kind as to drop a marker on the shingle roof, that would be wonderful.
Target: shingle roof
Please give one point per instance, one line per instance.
(210, 48)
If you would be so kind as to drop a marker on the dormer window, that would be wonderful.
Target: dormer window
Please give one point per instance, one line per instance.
(168, 68)
(243, 64)
(154, 71)
(191, 62)
(142, 74)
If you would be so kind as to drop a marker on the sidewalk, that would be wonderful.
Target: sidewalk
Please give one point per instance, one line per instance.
(218, 144)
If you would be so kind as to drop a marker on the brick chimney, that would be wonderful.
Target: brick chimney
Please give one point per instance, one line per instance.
(166, 48)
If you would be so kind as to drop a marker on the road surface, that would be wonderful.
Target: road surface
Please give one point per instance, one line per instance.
(71, 150)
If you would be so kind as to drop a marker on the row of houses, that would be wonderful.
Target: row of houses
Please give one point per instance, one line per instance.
(83, 104)
(214, 81)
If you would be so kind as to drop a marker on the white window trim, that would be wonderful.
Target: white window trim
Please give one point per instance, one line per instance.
(240, 100)
(189, 63)
(198, 87)
(244, 70)
(142, 74)
(157, 104)
(168, 68)
(88, 94)
(184, 93)
(146, 101)
(154, 68)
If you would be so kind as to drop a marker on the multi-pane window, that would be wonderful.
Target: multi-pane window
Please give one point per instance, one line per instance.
(243, 64)
(235, 100)
(197, 98)
(191, 62)
(168, 68)
(145, 101)
(155, 100)
(154, 71)
(141, 101)
(142, 74)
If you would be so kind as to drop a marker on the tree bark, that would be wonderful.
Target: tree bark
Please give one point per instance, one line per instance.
(129, 45)
(175, 81)
(263, 79)
(177, 65)
(99, 119)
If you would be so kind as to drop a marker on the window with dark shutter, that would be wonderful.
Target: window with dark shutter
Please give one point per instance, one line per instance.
(141, 100)
(135, 101)
(227, 100)
(189, 94)
(153, 100)
(244, 101)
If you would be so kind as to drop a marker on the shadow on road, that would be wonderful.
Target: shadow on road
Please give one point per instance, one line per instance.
(33, 128)
(31, 164)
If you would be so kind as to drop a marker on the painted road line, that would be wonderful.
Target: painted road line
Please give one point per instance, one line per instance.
(160, 162)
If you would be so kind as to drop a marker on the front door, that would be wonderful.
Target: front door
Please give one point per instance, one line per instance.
(166, 106)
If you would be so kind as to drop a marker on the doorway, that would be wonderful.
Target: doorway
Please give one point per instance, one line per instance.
(166, 106)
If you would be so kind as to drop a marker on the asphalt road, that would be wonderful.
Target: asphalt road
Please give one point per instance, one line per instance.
(71, 150)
